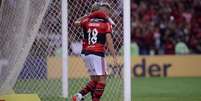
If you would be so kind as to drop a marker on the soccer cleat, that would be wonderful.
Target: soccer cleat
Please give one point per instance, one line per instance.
(78, 97)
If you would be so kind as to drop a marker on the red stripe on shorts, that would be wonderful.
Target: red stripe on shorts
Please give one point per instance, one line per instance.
(103, 66)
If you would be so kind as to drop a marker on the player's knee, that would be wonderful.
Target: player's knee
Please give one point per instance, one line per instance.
(99, 78)
(102, 79)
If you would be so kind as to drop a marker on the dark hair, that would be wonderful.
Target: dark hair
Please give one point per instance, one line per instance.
(98, 5)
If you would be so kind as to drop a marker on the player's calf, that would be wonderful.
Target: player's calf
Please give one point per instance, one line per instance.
(98, 91)
(91, 85)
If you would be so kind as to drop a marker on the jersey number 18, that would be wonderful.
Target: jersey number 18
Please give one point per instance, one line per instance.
(92, 36)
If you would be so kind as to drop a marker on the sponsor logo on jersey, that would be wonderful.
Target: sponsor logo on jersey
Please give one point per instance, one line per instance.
(94, 24)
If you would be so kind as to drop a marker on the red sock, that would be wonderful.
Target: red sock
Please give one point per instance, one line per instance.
(88, 88)
(98, 91)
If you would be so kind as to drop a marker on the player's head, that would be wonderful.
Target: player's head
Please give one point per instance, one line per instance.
(101, 6)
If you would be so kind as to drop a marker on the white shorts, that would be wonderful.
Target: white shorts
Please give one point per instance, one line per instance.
(95, 65)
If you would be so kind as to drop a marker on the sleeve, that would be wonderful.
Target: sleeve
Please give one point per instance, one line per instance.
(84, 21)
(108, 28)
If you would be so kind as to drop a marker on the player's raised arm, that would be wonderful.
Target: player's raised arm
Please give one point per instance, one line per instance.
(78, 21)
(101, 14)
(94, 14)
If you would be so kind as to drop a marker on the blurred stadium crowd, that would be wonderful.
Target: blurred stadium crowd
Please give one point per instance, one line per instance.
(158, 27)
(166, 26)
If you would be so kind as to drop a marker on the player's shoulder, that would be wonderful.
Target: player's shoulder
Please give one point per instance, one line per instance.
(107, 27)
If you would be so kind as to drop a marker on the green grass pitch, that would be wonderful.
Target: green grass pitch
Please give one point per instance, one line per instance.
(143, 89)
(166, 89)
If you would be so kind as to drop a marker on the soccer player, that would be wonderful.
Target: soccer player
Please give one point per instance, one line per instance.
(97, 30)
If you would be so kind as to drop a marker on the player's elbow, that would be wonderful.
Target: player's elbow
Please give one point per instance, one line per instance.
(109, 40)
(77, 23)
(108, 37)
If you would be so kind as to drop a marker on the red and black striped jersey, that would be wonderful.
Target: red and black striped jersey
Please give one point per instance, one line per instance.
(95, 30)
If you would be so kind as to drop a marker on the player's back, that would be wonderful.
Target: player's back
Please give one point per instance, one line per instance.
(95, 31)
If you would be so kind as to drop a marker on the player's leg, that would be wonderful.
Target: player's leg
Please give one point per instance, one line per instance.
(90, 86)
(101, 76)
(96, 86)
(97, 69)
(99, 89)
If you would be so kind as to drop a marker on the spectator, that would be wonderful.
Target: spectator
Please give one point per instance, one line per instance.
(181, 48)
(159, 25)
